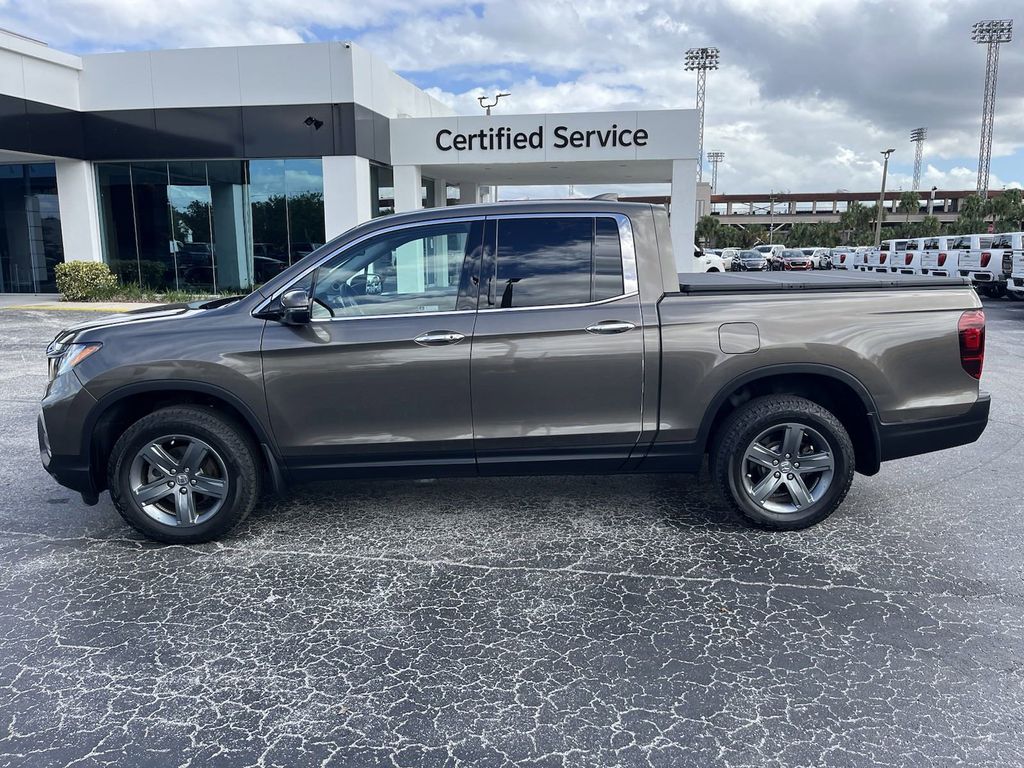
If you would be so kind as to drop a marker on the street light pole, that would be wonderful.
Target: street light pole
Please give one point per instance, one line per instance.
(881, 198)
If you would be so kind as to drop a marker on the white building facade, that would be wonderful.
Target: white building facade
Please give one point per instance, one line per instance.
(213, 169)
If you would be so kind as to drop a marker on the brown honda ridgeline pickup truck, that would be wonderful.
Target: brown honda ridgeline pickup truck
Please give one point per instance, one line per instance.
(521, 338)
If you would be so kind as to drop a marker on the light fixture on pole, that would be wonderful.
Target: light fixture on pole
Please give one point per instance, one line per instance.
(700, 60)
(487, 107)
(497, 97)
(992, 33)
(881, 198)
(918, 135)
(715, 158)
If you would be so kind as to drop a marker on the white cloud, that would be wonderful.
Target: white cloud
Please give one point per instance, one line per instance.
(807, 95)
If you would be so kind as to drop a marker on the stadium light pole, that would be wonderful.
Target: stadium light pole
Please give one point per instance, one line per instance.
(918, 135)
(991, 32)
(715, 158)
(881, 198)
(700, 60)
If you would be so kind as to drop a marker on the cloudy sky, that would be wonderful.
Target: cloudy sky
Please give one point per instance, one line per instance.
(808, 92)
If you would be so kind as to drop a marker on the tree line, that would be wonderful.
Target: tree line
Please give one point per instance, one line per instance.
(856, 224)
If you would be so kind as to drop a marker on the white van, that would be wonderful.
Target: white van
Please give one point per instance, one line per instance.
(940, 256)
(978, 262)
(1012, 246)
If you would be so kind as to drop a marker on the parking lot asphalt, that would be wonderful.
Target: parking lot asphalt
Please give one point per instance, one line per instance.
(612, 621)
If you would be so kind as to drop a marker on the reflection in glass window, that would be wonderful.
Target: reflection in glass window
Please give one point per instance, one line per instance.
(209, 226)
(30, 234)
(409, 271)
(543, 261)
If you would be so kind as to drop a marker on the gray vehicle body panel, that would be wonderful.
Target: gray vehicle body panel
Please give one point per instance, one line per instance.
(527, 390)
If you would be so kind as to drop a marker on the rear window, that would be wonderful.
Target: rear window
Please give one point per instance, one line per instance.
(931, 245)
(544, 261)
(960, 243)
(901, 245)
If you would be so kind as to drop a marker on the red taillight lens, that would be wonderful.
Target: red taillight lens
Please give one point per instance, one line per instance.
(882, 258)
(842, 258)
(986, 257)
(972, 341)
(942, 259)
(908, 258)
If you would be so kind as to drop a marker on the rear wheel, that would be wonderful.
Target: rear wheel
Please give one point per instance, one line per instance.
(996, 291)
(184, 475)
(783, 462)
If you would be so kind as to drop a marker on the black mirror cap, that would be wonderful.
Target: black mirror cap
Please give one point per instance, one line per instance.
(296, 307)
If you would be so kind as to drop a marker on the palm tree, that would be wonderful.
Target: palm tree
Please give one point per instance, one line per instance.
(707, 229)
(909, 203)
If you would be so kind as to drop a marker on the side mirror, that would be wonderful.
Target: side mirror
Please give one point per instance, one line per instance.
(295, 307)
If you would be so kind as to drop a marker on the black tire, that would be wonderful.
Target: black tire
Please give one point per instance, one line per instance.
(996, 291)
(751, 420)
(227, 438)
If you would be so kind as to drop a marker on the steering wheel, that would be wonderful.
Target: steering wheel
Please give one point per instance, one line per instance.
(339, 296)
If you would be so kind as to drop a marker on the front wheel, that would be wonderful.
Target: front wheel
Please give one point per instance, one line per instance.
(184, 475)
(783, 462)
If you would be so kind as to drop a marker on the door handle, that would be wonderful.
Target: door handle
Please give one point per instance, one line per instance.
(438, 338)
(610, 326)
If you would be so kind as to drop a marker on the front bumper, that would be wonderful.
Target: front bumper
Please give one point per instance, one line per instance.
(912, 438)
(60, 429)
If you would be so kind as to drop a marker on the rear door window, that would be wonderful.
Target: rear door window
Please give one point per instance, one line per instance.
(547, 261)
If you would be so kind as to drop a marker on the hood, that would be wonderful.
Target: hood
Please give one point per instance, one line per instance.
(146, 314)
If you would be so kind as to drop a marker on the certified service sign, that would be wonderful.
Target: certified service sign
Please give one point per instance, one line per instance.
(572, 137)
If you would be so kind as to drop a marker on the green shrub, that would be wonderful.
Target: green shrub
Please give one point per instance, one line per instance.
(85, 280)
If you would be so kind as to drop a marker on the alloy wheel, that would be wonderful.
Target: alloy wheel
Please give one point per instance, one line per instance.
(787, 468)
(178, 480)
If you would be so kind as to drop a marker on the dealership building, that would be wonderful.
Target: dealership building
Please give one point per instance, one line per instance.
(214, 168)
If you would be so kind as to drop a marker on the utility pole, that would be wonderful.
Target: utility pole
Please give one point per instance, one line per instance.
(992, 33)
(881, 198)
(918, 135)
(701, 60)
(715, 158)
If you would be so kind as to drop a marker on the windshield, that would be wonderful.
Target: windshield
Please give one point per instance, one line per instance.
(763, 248)
(751, 255)
(792, 254)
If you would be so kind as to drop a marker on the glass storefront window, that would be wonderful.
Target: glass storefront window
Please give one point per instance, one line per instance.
(30, 235)
(209, 226)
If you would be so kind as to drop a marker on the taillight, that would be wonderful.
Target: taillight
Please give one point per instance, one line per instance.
(882, 258)
(942, 259)
(908, 258)
(972, 341)
(842, 258)
(986, 257)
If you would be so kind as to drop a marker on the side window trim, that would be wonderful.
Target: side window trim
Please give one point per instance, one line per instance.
(488, 270)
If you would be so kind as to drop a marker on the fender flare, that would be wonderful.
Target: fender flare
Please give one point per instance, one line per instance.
(781, 369)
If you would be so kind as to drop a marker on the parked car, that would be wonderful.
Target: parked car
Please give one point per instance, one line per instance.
(909, 262)
(752, 261)
(983, 264)
(882, 258)
(794, 258)
(707, 261)
(842, 258)
(1012, 245)
(728, 256)
(773, 253)
(819, 257)
(187, 413)
(940, 256)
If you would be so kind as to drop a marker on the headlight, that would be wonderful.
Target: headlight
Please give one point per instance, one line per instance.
(63, 357)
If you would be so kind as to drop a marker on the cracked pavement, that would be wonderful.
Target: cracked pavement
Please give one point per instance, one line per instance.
(613, 621)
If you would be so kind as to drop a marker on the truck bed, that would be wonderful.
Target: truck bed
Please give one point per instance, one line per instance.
(831, 280)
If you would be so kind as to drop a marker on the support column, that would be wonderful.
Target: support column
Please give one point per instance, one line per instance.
(234, 269)
(684, 209)
(408, 195)
(79, 210)
(469, 194)
(440, 193)
(347, 200)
